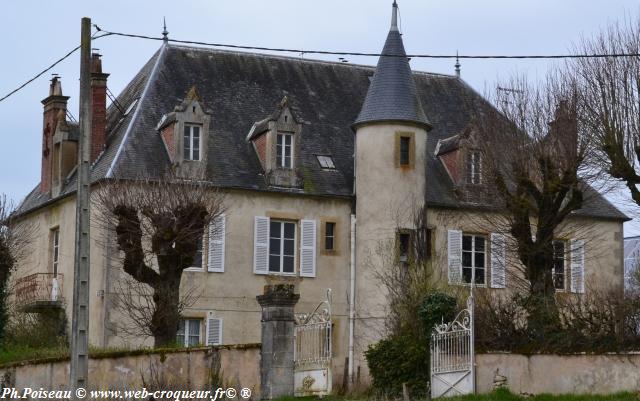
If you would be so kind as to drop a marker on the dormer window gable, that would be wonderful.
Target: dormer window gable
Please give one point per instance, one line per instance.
(184, 132)
(276, 141)
(461, 158)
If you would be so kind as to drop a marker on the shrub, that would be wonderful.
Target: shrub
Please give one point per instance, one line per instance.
(397, 360)
(437, 308)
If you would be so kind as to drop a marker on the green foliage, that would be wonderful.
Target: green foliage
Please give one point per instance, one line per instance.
(397, 360)
(37, 330)
(436, 308)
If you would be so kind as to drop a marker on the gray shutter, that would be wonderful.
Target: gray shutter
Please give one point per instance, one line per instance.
(214, 330)
(217, 229)
(308, 248)
(577, 266)
(454, 252)
(498, 261)
(261, 245)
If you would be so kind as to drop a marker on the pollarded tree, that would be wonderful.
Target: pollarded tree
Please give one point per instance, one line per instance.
(610, 87)
(158, 225)
(533, 160)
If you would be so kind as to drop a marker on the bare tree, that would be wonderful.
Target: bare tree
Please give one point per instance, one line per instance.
(610, 101)
(15, 237)
(158, 224)
(533, 166)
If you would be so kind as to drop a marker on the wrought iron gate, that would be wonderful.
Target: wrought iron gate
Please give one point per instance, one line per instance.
(312, 351)
(452, 356)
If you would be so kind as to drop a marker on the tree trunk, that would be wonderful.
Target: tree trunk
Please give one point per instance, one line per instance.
(166, 317)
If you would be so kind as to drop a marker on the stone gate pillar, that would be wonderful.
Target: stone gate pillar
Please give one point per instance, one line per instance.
(276, 368)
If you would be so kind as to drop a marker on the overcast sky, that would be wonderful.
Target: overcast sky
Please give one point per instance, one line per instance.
(35, 33)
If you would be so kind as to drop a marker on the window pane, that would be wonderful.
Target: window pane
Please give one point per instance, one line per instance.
(466, 242)
(479, 259)
(274, 263)
(329, 243)
(194, 327)
(180, 339)
(287, 151)
(287, 140)
(181, 327)
(288, 264)
(479, 244)
(479, 276)
(404, 150)
(329, 230)
(289, 230)
(194, 341)
(287, 162)
(466, 259)
(274, 246)
(274, 228)
(196, 148)
(279, 140)
(466, 275)
(186, 144)
(288, 246)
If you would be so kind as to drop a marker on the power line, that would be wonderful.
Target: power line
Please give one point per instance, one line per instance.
(38, 75)
(433, 56)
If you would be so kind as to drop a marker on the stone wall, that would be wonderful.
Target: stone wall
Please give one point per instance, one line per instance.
(190, 369)
(559, 374)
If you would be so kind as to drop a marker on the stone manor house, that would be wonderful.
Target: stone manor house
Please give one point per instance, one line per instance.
(320, 163)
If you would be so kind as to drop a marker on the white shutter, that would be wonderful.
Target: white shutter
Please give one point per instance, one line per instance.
(454, 251)
(261, 245)
(217, 230)
(308, 248)
(577, 266)
(214, 330)
(498, 261)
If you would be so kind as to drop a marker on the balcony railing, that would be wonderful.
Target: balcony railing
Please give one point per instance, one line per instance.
(39, 290)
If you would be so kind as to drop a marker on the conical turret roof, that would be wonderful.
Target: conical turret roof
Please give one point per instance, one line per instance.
(392, 95)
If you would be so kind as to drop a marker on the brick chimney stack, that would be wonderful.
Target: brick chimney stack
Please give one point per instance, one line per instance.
(55, 105)
(99, 107)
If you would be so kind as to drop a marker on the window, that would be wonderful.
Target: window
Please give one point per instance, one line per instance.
(191, 142)
(326, 162)
(189, 332)
(558, 265)
(405, 143)
(282, 245)
(329, 236)
(404, 246)
(55, 250)
(284, 151)
(473, 258)
(474, 167)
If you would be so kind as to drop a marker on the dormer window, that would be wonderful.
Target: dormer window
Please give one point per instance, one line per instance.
(191, 142)
(326, 162)
(284, 150)
(474, 167)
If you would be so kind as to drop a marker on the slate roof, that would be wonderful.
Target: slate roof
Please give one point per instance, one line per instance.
(393, 95)
(240, 89)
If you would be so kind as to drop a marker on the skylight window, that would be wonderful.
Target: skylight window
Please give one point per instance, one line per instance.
(326, 162)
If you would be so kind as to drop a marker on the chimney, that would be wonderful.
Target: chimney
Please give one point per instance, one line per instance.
(55, 105)
(98, 107)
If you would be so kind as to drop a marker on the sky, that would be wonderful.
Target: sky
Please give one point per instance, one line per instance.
(34, 33)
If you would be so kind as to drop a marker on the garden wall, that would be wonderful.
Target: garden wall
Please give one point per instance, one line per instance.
(559, 374)
(186, 369)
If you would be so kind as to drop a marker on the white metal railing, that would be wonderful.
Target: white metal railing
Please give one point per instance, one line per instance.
(313, 337)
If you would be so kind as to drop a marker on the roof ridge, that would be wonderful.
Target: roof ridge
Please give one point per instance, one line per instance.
(302, 60)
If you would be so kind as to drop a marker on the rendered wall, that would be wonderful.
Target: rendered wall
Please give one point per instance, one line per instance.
(560, 374)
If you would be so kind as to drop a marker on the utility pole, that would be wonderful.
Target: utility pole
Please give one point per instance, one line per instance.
(80, 318)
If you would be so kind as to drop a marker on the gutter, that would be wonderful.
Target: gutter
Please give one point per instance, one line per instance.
(352, 297)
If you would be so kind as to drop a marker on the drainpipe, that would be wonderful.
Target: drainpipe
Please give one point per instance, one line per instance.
(352, 296)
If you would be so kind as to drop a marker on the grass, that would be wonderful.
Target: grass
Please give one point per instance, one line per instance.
(498, 395)
(17, 353)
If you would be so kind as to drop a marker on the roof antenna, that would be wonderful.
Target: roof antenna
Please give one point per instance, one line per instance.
(165, 33)
(457, 65)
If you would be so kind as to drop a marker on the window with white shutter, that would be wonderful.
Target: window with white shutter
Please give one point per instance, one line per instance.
(214, 330)
(577, 266)
(217, 230)
(261, 245)
(308, 248)
(498, 261)
(454, 252)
